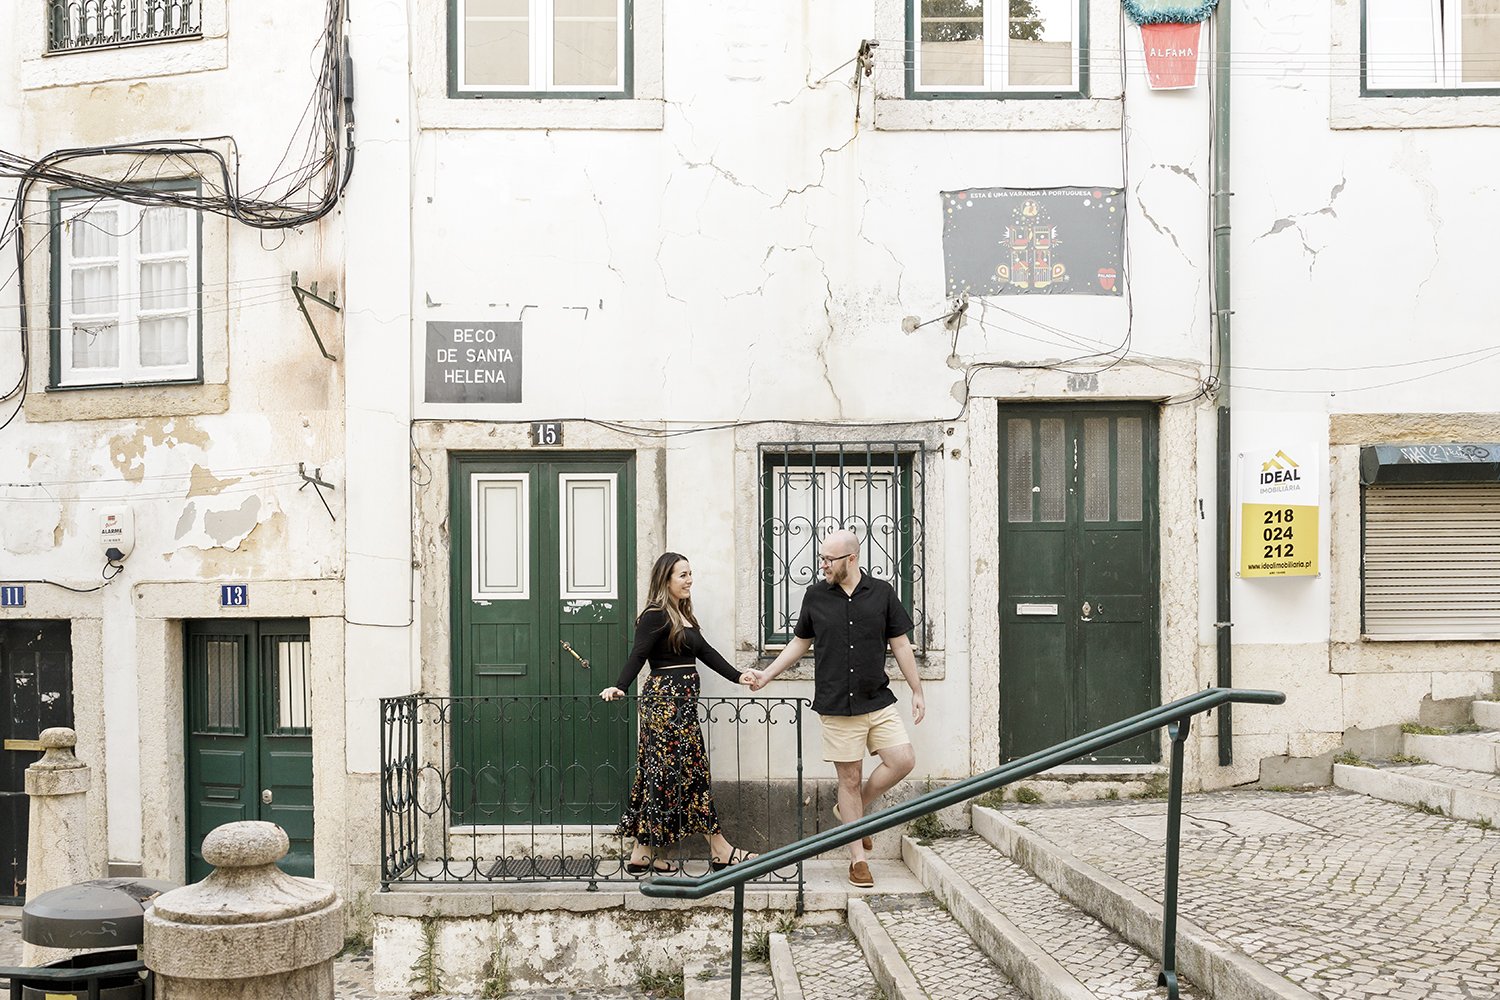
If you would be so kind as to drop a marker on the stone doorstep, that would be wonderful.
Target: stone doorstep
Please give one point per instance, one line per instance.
(1391, 785)
(1465, 751)
(1216, 967)
(1487, 714)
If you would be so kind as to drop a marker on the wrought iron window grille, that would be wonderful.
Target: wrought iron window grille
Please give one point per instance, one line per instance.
(81, 25)
(810, 489)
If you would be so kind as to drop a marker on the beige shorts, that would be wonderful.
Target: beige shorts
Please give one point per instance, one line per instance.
(850, 737)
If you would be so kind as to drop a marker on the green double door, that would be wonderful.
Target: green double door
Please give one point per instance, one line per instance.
(249, 733)
(543, 556)
(1078, 576)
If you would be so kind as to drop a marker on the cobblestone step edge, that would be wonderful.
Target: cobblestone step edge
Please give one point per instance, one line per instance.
(1456, 801)
(783, 971)
(1035, 973)
(1217, 968)
(1464, 751)
(1486, 714)
(891, 972)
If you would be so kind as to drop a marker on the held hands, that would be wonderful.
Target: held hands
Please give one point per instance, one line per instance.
(611, 694)
(754, 679)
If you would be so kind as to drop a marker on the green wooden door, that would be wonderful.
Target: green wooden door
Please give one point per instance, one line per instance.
(543, 556)
(249, 742)
(1078, 576)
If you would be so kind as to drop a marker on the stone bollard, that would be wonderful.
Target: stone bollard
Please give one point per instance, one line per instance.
(57, 829)
(248, 931)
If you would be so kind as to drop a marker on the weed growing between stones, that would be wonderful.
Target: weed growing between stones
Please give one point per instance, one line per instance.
(1484, 824)
(1027, 796)
(424, 978)
(667, 983)
(991, 800)
(1407, 758)
(1156, 787)
(496, 977)
(758, 948)
(1112, 794)
(1423, 807)
(928, 828)
(1350, 759)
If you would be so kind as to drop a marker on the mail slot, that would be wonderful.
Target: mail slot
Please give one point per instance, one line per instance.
(1036, 609)
(35, 746)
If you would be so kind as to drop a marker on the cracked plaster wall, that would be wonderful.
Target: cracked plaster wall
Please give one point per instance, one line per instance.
(213, 494)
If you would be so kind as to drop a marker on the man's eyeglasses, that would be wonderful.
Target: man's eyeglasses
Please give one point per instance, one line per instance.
(830, 560)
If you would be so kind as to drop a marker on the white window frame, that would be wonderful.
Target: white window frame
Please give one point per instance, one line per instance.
(128, 298)
(1445, 37)
(540, 18)
(611, 590)
(996, 55)
(478, 526)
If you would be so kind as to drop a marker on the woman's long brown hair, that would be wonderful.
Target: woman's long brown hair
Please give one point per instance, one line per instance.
(659, 595)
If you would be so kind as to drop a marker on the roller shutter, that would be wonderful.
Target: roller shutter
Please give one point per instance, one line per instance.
(1432, 561)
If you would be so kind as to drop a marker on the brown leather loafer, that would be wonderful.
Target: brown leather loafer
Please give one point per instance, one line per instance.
(860, 877)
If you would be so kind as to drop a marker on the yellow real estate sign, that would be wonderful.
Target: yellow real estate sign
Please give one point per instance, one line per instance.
(1279, 513)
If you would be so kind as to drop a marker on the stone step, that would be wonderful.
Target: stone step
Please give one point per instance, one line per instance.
(821, 963)
(712, 981)
(1050, 948)
(918, 951)
(1465, 751)
(1455, 792)
(1220, 970)
(1487, 714)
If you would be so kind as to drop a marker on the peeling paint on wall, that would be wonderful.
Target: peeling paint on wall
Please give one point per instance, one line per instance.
(228, 528)
(206, 484)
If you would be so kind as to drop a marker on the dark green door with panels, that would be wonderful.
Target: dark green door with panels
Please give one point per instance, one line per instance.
(1078, 576)
(249, 733)
(543, 555)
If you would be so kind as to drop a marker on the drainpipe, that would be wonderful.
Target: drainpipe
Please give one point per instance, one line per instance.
(1222, 312)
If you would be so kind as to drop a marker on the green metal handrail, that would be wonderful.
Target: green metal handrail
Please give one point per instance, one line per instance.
(1174, 715)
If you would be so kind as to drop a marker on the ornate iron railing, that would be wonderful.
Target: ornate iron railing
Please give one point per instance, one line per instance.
(76, 25)
(530, 788)
(808, 489)
(1176, 716)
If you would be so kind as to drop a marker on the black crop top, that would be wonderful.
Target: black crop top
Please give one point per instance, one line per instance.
(651, 644)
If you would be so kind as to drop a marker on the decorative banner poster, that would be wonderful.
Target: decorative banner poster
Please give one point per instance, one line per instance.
(1048, 241)
(1279, 511)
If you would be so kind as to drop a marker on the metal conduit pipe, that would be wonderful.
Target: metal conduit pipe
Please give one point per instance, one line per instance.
(1219, 250)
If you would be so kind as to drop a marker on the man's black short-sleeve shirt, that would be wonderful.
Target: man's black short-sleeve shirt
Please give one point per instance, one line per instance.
(850, 633)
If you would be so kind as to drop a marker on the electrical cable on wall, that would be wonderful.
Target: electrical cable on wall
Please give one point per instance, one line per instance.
(291, 198)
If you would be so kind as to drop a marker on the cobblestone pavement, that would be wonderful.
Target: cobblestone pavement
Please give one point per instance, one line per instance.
(1449, 775)
(939, 952)
(1110, 967)
(1345, 895)
(830, 965)
(755, 981)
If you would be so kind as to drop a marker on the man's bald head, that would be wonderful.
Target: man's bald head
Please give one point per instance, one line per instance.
(840, 543)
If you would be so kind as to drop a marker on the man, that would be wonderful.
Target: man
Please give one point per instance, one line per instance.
(853, 617)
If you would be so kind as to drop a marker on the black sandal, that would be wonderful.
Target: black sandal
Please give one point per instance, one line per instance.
(735, 857)
(651, 865)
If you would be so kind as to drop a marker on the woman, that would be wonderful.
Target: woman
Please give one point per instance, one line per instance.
(672, 796)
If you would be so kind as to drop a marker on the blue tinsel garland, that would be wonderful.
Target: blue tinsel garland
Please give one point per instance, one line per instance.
(1169, 11)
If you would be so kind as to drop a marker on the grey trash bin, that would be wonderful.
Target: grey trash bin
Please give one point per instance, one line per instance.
(106, 916)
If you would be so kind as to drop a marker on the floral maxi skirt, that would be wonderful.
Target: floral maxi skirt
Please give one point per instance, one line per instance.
(672, 795)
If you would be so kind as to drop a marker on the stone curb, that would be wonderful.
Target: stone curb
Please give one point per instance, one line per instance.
(1214, 966)
(783, 972)
(1487, 714)
(1455, 801)
(881, 954)
(1027, 964)
(1464, 751)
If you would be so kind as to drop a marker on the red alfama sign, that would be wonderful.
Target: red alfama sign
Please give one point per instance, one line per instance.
(1171, 54)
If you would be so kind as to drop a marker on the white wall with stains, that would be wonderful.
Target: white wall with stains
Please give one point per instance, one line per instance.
(209, 474)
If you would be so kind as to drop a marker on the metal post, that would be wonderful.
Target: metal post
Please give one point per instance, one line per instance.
(1168, 978)
(801, 872)
(736, 960)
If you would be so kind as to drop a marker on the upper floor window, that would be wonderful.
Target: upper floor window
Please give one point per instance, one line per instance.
(996, 48)
(126, 292)
(808, 490)
(536, 48)
(76, 25)
(1426, 46)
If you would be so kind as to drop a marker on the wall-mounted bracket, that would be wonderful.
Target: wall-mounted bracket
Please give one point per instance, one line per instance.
(317, 483)
(302, 295)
